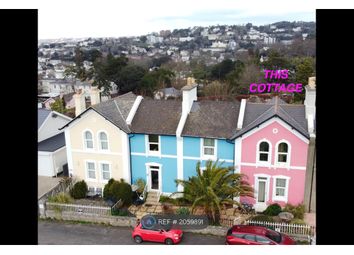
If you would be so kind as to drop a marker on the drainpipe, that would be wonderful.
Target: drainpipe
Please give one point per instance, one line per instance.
(130, 158)
(233, 154)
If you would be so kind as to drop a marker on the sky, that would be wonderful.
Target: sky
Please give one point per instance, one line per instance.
(115, 18)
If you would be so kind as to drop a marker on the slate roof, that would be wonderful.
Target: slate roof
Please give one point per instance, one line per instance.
(214, 119)
(258, 113)
(115, 110)
(157, 117)
(42, 115)
(53, 143)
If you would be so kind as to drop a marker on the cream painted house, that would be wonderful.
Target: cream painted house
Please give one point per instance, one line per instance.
(97, 140)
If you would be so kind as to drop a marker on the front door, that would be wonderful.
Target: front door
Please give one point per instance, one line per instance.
(261, 193)
(154, 179)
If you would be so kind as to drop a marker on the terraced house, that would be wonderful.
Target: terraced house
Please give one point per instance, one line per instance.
(162, 140)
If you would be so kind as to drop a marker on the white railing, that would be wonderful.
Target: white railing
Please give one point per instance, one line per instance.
(81, 209)
(144, 193)
(159, 193)
(290, 229)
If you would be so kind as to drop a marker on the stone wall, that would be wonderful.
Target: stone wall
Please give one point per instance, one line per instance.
(119, 221)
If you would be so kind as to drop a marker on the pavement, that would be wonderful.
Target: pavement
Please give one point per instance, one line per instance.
(45, 184)
(58, 232)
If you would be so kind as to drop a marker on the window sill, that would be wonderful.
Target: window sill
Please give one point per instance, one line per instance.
(154, 154)
(206, 157)
(263, 164)
(280, 199)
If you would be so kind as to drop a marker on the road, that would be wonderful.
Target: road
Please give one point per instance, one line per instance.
(52, 232)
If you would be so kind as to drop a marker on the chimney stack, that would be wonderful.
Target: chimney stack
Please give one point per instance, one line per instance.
(95, 96)
(80, 103)
(310, 97)
(310, 104)
(189, 95)
(190, 81)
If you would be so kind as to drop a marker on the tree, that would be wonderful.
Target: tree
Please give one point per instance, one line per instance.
(250, 74)
(303, 70)
(58, 106)
(219, 71)
(214, 187)
(130, 77)
(153, 80)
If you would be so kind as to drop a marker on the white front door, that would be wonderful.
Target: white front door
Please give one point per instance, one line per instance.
(154, 178)
(261, 193)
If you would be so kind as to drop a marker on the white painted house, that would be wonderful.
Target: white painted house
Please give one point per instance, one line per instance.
(51, 142)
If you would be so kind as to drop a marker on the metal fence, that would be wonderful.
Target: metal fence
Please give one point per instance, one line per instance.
(80, 209)
(294, 230)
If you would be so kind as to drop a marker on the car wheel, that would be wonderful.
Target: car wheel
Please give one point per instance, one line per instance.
(138, 239)
(168, 241)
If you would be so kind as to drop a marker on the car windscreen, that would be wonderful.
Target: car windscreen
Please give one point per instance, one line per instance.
(275, 236)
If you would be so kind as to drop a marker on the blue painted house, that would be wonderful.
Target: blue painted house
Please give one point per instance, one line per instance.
(169, 137)
(153, 144)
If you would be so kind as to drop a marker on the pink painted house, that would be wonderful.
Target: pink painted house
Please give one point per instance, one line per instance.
(271, 149)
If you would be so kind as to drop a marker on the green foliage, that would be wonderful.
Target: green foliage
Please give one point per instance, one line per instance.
(214, 187)
(273, 210)
(219, 71)
(297, 210)
(107, 194)
(262, 218)
(298, 222)
(183, 211)
(130, 77)
(154, 80)
(61, 197)
(79, 190)
(166, 199)
(58, 106)
(115, 190)
(141, 185)
(119, 212)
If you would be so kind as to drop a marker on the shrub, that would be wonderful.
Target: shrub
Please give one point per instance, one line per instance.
(141, 185)
(60, 198)
(181, 201)
(79, 190)
(107, 194)
(262, 218)
(121, 190)
(166, 199)
(298, 222)
(272, 210)
(183, 211)
(298, 211)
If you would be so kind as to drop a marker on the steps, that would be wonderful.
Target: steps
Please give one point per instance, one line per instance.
(152, 198)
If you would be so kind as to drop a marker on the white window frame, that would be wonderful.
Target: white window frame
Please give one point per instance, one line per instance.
(282, 164)
(101, 170)
(211, 157)
(84, 140)
(99, 140)
(86, 171)
(264, 163)
(286, 192)
(256, 190)
(147, 144)
(148, 175)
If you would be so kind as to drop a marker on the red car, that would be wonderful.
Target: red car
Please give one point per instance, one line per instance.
(167, 236)
(245, 234)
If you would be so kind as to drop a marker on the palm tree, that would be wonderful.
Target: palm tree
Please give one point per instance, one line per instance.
(214, 187)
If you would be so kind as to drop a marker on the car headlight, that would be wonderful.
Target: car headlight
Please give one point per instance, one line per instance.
(176, 236)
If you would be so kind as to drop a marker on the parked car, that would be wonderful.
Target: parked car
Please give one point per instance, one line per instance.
(245, 234)
(166, 235)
